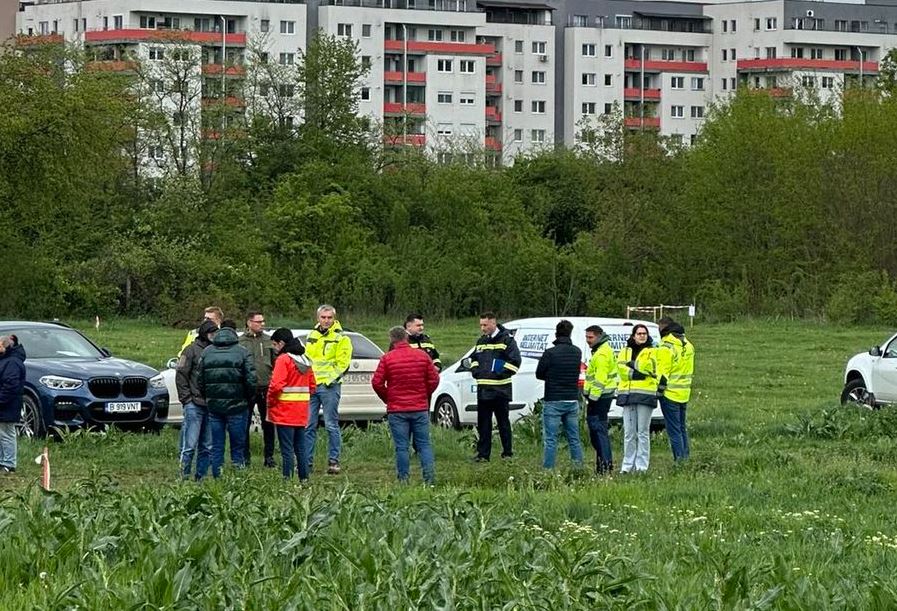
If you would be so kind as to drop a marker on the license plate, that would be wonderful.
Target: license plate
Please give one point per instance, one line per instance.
(357, 378)
(127, 407)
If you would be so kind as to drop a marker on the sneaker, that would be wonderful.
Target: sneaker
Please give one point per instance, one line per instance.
(5, 469)
(269, 462)
(507, 456)
(480, 459)
(333, 468)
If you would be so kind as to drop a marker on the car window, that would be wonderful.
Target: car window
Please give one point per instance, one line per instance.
(363, 348)
(58, 343)
(891, 352)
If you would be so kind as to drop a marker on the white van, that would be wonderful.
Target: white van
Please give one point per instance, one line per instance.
(454, 403)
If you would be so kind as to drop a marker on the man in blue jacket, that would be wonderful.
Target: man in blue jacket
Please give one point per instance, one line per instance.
(12, 387)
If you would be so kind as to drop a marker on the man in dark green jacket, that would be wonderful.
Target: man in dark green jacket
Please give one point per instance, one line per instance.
(227, 380)
(259, 346)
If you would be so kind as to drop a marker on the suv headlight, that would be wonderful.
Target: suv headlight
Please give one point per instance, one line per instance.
(61, 383)
(157, 381)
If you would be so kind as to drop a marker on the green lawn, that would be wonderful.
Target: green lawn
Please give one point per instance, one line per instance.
(786, 503)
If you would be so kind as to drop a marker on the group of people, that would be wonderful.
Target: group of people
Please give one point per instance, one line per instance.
(221, 379)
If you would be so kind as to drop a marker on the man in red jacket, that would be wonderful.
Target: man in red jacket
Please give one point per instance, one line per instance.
(405, 379)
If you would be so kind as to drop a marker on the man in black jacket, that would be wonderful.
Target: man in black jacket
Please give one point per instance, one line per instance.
(227, 380)
(559, 367)
(12, 388)
(414, 327)
(494, 360)
(195, 431)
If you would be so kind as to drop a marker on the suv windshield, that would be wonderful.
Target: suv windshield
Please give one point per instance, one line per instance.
(55, 343)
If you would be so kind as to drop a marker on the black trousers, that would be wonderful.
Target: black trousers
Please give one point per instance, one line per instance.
(485, 410)
(261, 402)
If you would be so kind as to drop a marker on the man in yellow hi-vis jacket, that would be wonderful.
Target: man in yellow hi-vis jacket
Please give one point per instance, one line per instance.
(675, 367)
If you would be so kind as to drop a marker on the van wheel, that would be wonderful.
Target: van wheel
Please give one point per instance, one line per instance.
(31, 424)
(445, 414)
(856, 394)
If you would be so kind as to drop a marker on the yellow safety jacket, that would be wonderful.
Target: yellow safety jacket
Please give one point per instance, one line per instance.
(602, 377)
(330, 353)
(643, 390)
(676, 363)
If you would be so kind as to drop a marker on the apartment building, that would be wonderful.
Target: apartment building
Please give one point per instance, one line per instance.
(510, 76)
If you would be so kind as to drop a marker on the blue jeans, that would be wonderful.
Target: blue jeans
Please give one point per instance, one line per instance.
(235, 427)
(292, 444)
(555, 414)
(404, 427)
(8, 444)
(596, 418)
(196, 438)
(674, 419)
(328, 397)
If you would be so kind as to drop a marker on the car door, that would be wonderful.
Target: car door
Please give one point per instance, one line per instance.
(884, 374)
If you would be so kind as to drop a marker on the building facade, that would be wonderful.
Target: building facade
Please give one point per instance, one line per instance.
(508, 76)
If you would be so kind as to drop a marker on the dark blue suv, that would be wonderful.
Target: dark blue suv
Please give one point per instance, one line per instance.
(70, 382)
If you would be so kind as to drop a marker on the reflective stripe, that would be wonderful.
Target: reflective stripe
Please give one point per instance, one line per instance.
(295, 389)
(510, 367)
(481, 347)
(474, 364)
(303, 397)
(424, 345)
(493, 382)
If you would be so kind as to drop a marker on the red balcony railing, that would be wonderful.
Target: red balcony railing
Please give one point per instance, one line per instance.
(111, 66)
(455, 48)
(210, 69)
(493, 114)
(397, 108)
(24, 40)
(781, 64)
(649, 122)
(137, 35)
(494, 59)
(492, 143)
(232, 101)
(664, 66)
(634, 93)
(408, 140)
(417, 78)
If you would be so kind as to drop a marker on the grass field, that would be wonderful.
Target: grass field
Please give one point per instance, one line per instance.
(788, 502)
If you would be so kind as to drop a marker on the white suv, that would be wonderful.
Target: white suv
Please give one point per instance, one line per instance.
(870, 378)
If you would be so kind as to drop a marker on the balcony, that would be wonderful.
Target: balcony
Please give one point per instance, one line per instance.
(396, 78)
(421, 47)
(24, 40)
(171, 36)
(786, 64)
(406, 140)
(230, 101)
(397, 108)
(637, 95)
(494, 59)
(492, 86)
(492, 143)
(637, 122)
(118, 66)
(493, 114)
(635, 64)
(215, 69)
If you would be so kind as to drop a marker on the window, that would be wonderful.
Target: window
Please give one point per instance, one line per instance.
(770, 52)
(444, 65)
(344, 29)
(518, 76)
(732, 54)
(757, 25)
(732, 83)
(677, 82)
(608, 51)
(287, 27)
(202, 24)
(725, 26)
(264, 89)
(697, 83)
(588, 78)
(117, 21)
(732, 26)
(725, 54)
(365, 30)
(263, 57)
(808, 81)
(518, 46)
(697, 112)
(287, 59)
(623, 21)
(677, 112)
(156, 53)
(588, 50)
(816, 54)
(265, 25)
(539, 47)
(797, 52)
(828, 82)
(434, 35)
(580, 21)
(518, 105)
(444, 97)
(444, 129)
(458, 36)
(75, 24)
(366, 62)
(537, 135)
(538, 77)
(608, 108)
(518, 135)
(147, 22)
(466, 66)
(286, 90)
(841, 55)
(771, 23)
(155, 151)
(588, 108)
(840, 25)
(725, 84)
(156, 86)
(538, 107)
(467, 99)
(690, 55)
(669, 55)
(366, 93)
(608, 80)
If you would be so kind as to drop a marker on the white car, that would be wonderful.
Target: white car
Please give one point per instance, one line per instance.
(454, 403)
(870, 378)
(358, 401)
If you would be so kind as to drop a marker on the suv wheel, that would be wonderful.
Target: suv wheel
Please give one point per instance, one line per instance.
(31, 424)
(445, 414)
(856, 394)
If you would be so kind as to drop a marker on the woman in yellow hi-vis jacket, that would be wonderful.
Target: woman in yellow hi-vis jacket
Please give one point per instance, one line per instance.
(637, 395)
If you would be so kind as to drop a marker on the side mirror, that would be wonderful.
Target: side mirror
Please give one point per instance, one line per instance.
(875, 351)
(172, 363)
(465, 364)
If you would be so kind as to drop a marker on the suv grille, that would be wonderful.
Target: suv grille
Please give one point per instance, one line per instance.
(104, 388)
(134, 387)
